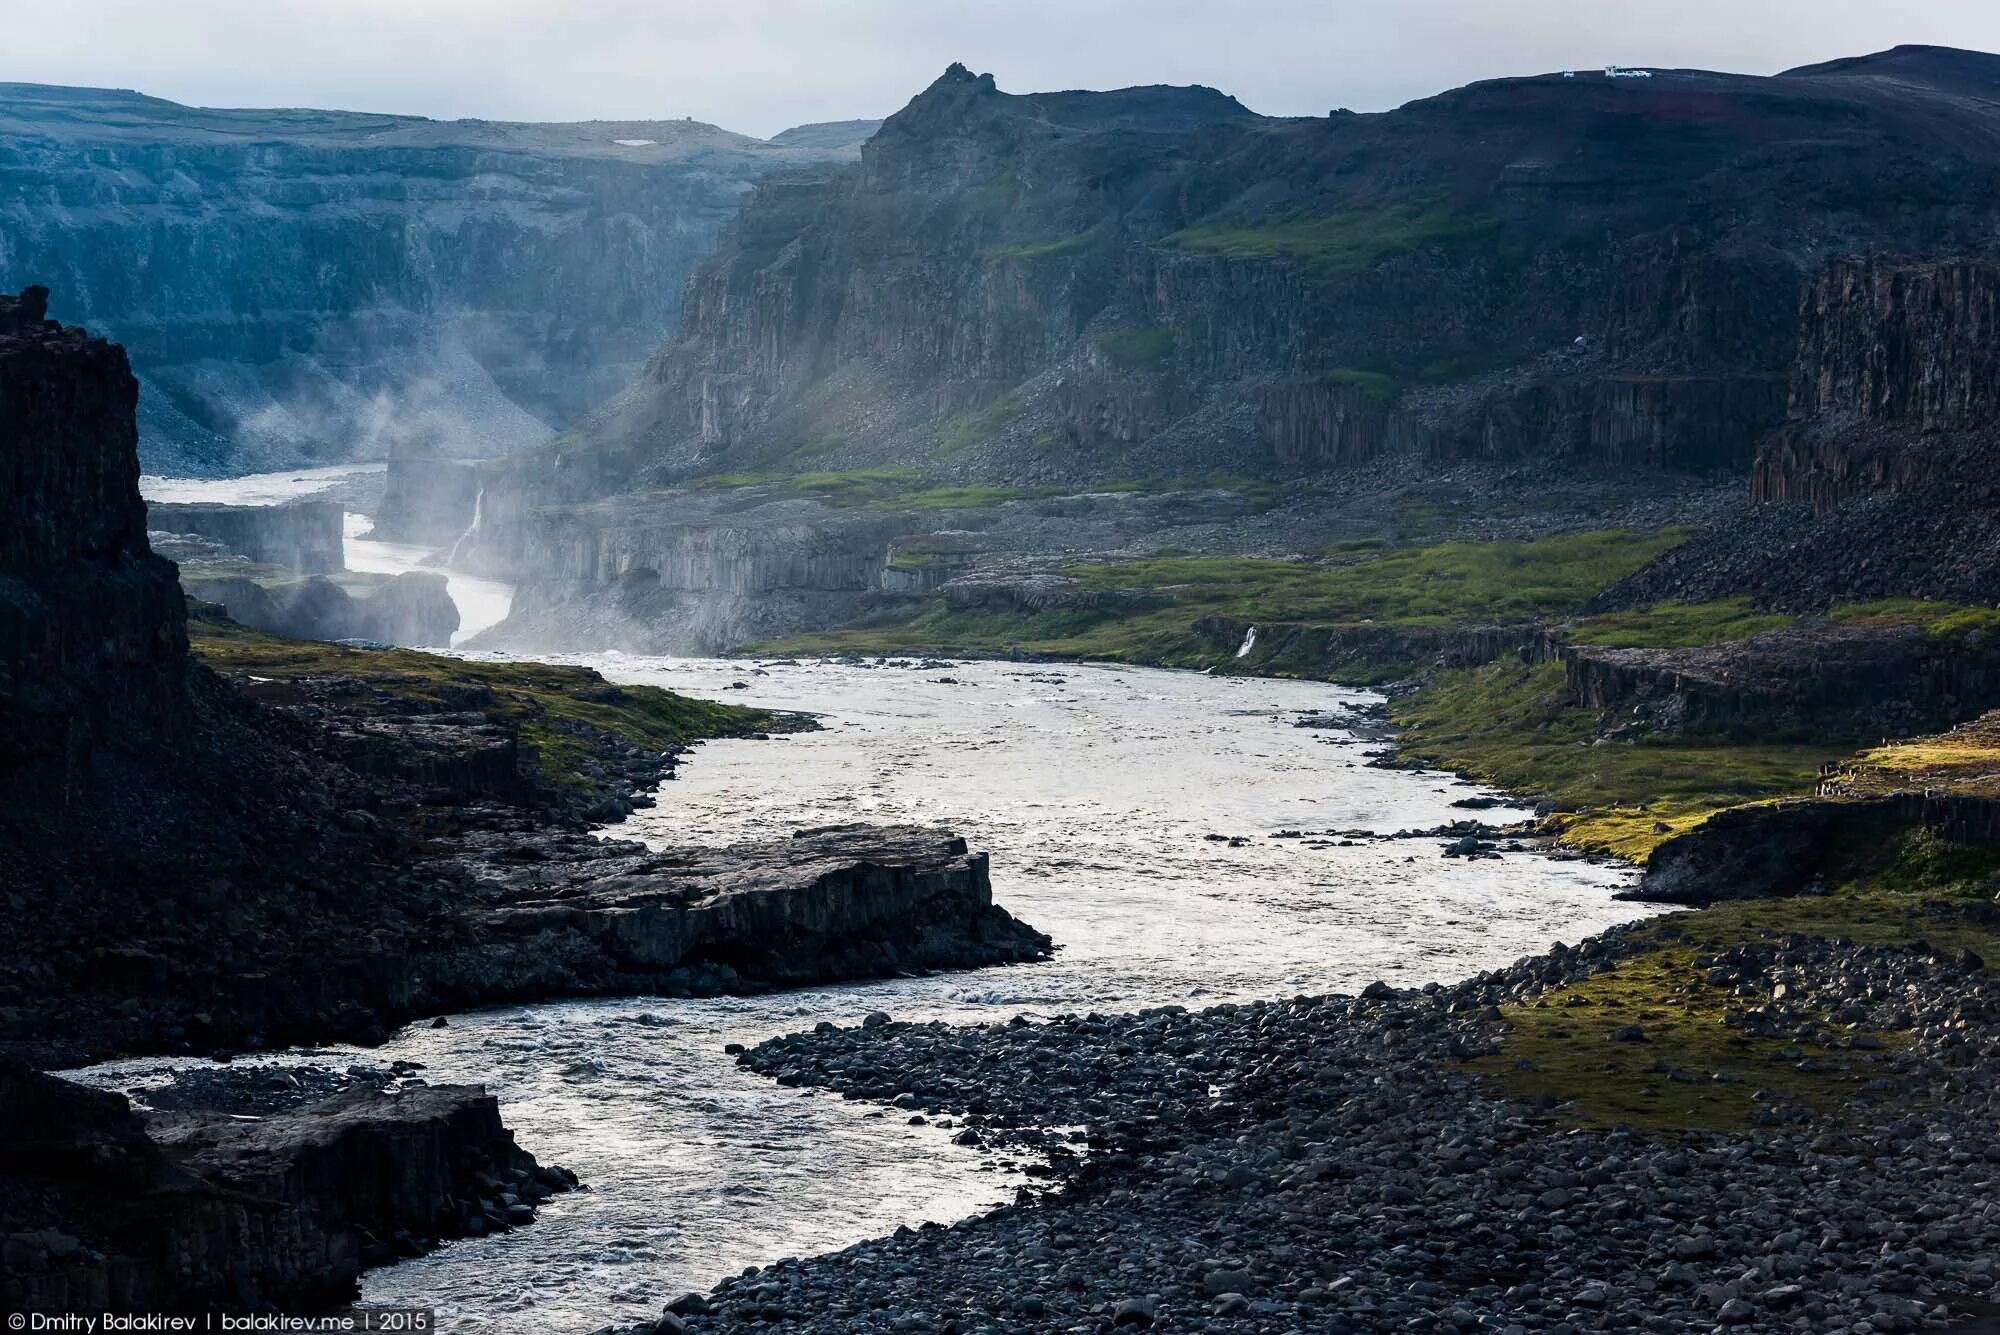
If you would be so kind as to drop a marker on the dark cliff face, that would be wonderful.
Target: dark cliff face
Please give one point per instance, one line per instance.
(1086, 286)
(93, 634)
(1898, 371)
(1881, 483)
(301, 286)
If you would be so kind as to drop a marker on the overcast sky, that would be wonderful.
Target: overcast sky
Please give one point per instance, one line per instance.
(761, 65)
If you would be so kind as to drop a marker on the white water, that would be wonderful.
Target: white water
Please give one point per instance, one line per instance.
(1094, 789)
(481, 602)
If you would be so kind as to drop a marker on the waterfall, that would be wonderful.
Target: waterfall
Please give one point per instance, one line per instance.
(1249, 643)
(478, 509)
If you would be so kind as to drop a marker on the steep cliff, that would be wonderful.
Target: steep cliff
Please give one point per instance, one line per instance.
(1882, 481)
(298, 285)
(1060, 291)
(1898, 367)
(1083, 284)
(93, 637)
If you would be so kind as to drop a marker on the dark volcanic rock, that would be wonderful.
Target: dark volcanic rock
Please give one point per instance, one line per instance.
(1076, 288)
(211, 1212)
(1882, 483)
(93, 636)
(1328, 1164)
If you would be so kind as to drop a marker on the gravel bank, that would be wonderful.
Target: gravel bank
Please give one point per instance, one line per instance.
(1323, 1164)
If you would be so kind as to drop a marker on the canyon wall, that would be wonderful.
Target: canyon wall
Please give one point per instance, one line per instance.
(1898, 366)
(1084, 286)
(93, 635)
(1070, 290)
(301, 536)
(1881, 483)
(311, 286)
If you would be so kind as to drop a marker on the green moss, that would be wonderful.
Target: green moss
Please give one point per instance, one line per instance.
(968, 429)
(1074, 244)
(1514, 726)
(1676, 625)
(1433, 586)
(1335, 246)
(1691, 1072)
(1146, 349)
(1950, 622)
(537, 698)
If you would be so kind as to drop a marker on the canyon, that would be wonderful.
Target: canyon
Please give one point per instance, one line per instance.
(302, 286)
(213, 837)
(1038, 325)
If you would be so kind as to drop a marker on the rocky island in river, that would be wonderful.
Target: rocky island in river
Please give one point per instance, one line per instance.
(1629, 434)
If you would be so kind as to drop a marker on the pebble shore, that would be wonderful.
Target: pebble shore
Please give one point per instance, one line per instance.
(1325, 1164)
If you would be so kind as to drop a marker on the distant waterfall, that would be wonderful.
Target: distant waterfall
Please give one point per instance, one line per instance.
(478, 511)
(1242, 650)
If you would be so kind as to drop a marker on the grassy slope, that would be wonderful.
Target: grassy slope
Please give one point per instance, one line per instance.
(535, 697)
(1510, 725)
(1331, 247)
(1443, 585)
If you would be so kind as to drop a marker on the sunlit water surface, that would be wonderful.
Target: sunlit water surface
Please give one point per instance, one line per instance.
(1095, 789)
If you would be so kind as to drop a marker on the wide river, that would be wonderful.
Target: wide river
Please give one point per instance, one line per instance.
(1098, 791)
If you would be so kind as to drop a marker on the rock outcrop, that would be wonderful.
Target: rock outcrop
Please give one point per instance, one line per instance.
(318, 285)
(1857, 679)
(303, 537)
(219, 1213)
(1881, 482)
(93, 638)
(413, 609)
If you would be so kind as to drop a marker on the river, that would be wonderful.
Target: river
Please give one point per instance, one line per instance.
(1130, 813)
(481, 602)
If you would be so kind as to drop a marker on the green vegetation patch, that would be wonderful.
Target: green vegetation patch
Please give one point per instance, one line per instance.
(534, 697)
(1380, 386)
(1074, 244)
(1331, 247)
(1310, 603)
(1146, 349)
(968, 429)
(1432, 586)
(1689, 1070)
(1676, 625)
(1950, 622)
(1515, 727)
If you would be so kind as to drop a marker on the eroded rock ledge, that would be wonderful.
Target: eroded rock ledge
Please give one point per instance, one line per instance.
(202, 1211)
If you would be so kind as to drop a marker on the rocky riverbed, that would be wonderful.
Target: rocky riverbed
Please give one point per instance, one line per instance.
(1326, 1163)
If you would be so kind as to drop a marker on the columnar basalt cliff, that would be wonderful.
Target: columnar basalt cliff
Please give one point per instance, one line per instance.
(92, 632)
(303, 537)
(219, 1213)
(1882, 481)
(317, 285)
(1898, 364)
(1076, 288)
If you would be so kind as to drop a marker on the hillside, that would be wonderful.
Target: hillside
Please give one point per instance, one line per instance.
(1555, 294)
(300, 286)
